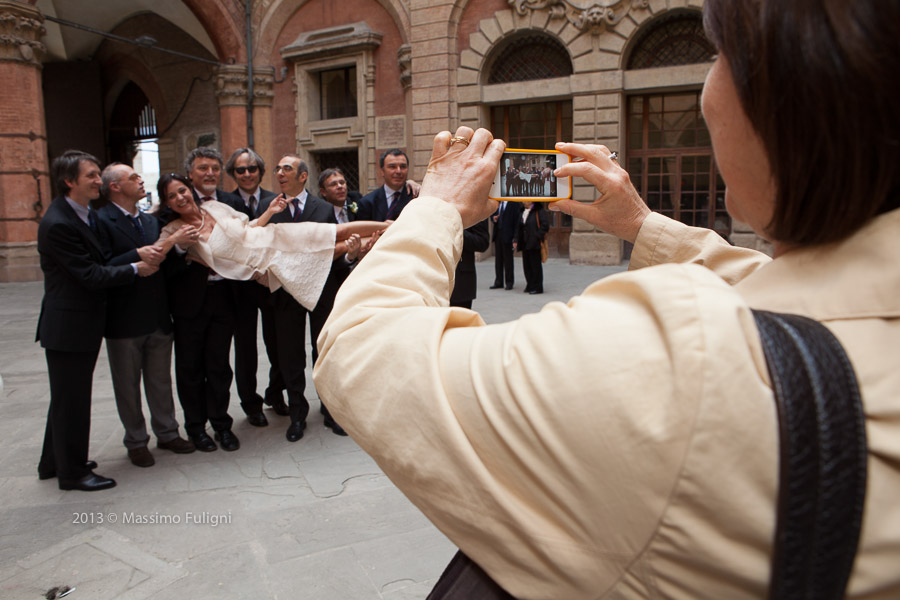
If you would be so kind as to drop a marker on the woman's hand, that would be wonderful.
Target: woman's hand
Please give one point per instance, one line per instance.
(278, 204)
(618, 209)
(461, 174)
(185, 236)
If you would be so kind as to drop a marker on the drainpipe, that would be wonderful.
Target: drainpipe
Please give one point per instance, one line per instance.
(248, 11)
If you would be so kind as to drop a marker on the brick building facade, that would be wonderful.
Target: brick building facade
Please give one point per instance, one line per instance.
(340, 82)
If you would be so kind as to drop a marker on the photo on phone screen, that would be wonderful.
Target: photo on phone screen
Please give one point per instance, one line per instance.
(527, 175)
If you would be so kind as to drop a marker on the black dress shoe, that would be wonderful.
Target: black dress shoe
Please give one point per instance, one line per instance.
(89, 465)
(204, 443)
(335, 428)
(281, 409)
(536, 292)
(496, 286)
(295, 431)
(509, 287)
(228, 440)
(89, 483)
(257, 419)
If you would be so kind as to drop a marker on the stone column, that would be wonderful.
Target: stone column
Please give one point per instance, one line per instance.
(232, 94)
(263, 98)
(24, 177)
(433, 75)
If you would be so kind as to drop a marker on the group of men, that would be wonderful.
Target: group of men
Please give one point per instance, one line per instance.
(102, 278)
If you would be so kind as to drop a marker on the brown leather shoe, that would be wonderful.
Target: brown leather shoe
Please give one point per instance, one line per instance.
(177, 445)
(141, 457)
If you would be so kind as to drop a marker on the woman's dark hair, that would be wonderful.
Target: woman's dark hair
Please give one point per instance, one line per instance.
(163, 212)
(818, 81)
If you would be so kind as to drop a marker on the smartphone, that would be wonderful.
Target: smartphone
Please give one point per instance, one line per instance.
(527, 176)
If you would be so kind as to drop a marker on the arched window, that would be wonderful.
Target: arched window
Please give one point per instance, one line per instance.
(529, 57)
(675, 39)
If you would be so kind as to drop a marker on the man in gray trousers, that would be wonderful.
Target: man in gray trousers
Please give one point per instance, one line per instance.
(138, 325)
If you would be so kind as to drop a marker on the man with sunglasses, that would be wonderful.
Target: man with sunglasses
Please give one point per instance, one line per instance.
(247, 168)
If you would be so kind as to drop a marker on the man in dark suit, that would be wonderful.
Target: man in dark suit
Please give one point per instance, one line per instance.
(333, 189)
(387, 201)
(73, 318)
(290, 317)
(247, 168)
(476, 238)
(203, 304)
(505, 219)
(138, 324)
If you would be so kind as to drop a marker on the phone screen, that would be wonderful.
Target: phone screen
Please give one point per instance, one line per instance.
(527, 175)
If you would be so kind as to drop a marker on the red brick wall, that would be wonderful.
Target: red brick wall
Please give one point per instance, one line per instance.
(321, 14)
(472, 14)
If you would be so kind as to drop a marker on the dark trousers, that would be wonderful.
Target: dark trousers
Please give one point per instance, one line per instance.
(68, 431)
(253, 300)
(290, 321)
(202, 353)
(534, 271)
(503, 263)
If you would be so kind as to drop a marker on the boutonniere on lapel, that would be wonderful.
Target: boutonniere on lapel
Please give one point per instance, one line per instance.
(353, 207)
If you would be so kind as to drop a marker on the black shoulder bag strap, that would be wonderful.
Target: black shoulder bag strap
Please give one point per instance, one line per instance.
(822, 472)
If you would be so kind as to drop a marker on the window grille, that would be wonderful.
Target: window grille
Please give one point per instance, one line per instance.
(530, 57)
(346, 161)
(675, 39)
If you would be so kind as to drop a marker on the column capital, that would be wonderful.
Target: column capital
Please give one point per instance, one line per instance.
(21, 29)
(231, 85)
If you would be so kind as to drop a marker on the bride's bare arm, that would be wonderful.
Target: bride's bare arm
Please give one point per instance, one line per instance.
(278, 204)
(363, 229)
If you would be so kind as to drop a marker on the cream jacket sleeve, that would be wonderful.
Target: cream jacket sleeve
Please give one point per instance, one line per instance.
(574, 452)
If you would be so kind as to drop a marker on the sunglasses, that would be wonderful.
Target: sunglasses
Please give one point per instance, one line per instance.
(242, 170)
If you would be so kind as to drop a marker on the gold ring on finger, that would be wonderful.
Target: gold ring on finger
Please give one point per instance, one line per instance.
(459, 139)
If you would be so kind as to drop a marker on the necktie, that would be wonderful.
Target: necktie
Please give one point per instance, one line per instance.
(136, 221)
(205, 199)
(92, 220)
(296, 203)
(394, 210)
(253, 205)
(342, 218)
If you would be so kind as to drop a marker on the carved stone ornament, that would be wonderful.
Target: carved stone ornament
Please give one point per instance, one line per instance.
(404, 59)
(21, 29)
(594, 17)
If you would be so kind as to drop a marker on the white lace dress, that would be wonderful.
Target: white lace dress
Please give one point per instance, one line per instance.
(297, 256)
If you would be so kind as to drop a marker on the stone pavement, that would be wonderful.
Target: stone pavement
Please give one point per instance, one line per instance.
(315, 520)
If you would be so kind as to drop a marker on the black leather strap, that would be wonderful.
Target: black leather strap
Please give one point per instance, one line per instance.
(822, 474)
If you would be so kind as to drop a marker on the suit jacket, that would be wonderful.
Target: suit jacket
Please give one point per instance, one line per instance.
(233, 200)
(530, 233)
(373, 206)
(263, 196)
(76, 279)
(505, 227)
(475, 239)
(142, 307)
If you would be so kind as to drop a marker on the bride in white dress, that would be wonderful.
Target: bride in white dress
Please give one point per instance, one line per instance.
(296, 256)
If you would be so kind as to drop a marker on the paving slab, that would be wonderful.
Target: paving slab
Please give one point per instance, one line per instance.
(316, 519)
